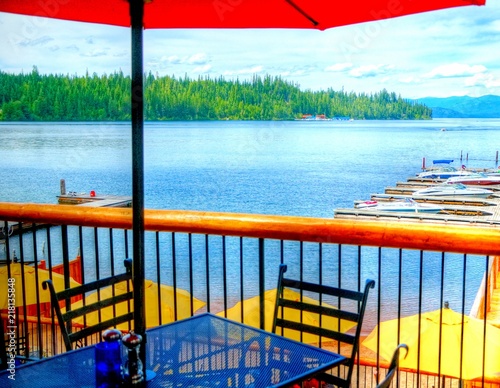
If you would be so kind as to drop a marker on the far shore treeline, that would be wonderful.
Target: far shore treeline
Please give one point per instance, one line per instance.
(37, 97)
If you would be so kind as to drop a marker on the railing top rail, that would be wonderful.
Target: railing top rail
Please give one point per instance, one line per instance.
(393, 234)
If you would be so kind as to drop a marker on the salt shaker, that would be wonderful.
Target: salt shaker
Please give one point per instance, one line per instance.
(132, 371)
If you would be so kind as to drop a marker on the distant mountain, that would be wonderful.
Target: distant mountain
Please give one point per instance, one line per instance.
(466, 107)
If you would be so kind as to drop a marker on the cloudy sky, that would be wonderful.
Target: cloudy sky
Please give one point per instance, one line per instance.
(445, 53)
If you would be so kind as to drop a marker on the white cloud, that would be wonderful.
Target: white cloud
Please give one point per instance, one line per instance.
(173, 59)
(483, 79)
(370, 70)
(410, 80)
(95, 53)
(202, 69)
(248, 70)
(293, 73)
(197, 59)
(36, 42)
(339, 67)
(73, 48)
(455, 70)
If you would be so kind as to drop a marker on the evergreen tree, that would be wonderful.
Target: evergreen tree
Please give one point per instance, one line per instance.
(37, 97)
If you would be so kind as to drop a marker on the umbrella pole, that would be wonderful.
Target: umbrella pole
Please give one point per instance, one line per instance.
(136, 15)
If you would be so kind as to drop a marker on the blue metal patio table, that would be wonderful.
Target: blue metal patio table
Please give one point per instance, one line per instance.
(202, 351)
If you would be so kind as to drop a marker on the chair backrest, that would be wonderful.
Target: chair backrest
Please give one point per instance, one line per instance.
(393, 367)
(65, 318)
(351, 307)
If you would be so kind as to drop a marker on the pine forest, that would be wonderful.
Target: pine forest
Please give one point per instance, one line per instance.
(38, 97)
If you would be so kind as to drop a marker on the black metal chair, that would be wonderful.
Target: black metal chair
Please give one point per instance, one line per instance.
(65, 318)
(393, 367)
(352, 306)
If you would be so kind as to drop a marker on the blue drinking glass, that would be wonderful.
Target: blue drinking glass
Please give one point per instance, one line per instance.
(108, 365)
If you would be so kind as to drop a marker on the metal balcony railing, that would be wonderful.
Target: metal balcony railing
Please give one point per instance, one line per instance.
(222, 259)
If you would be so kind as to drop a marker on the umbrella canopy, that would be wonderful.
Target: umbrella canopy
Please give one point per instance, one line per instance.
(251, 313)
(450, 359)
(183, 300)
(318, 14)
(33, 279)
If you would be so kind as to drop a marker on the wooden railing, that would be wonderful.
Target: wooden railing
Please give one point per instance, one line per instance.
(429, 237)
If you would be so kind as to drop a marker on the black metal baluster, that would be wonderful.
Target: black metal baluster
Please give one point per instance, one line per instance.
(37, 281)
(158, 277)
(97, 264)
(486, 303)
(420, 288)
(400, 300)
(191, 283)
(224, 272)
(241, 280)
(262, 283)
(441, 304)
(207, 266)
(174, 274)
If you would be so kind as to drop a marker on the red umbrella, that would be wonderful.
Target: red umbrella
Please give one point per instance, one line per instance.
(318, 14)
(140, 14)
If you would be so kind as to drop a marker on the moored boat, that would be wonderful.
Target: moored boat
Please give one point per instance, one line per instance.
(453, 190)
(444, 173)
(476, 179)
(408, 205)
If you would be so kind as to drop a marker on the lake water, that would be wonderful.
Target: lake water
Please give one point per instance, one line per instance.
(286, 168)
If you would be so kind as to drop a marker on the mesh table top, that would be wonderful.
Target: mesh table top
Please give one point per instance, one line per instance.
(202, 351)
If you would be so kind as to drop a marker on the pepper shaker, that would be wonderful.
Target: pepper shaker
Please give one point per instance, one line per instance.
(132, 371)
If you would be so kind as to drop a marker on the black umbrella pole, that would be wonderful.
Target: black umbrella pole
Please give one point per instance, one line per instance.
(136, 14)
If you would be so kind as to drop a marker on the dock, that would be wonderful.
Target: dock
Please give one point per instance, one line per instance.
(92, 199)
(455, 210)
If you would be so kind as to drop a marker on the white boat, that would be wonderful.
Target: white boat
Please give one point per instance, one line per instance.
(365, 204)
(408, 206)
(476, 179)
(443, 173)
(452, 190)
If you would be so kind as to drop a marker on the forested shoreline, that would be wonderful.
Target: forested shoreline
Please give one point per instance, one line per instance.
(38, 97)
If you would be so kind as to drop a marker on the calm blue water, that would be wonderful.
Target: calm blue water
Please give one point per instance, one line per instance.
(286, 168)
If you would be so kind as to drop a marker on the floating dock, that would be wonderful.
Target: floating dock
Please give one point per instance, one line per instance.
(95, 200)
(455, 209)
(92, 199)
(67, 198)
